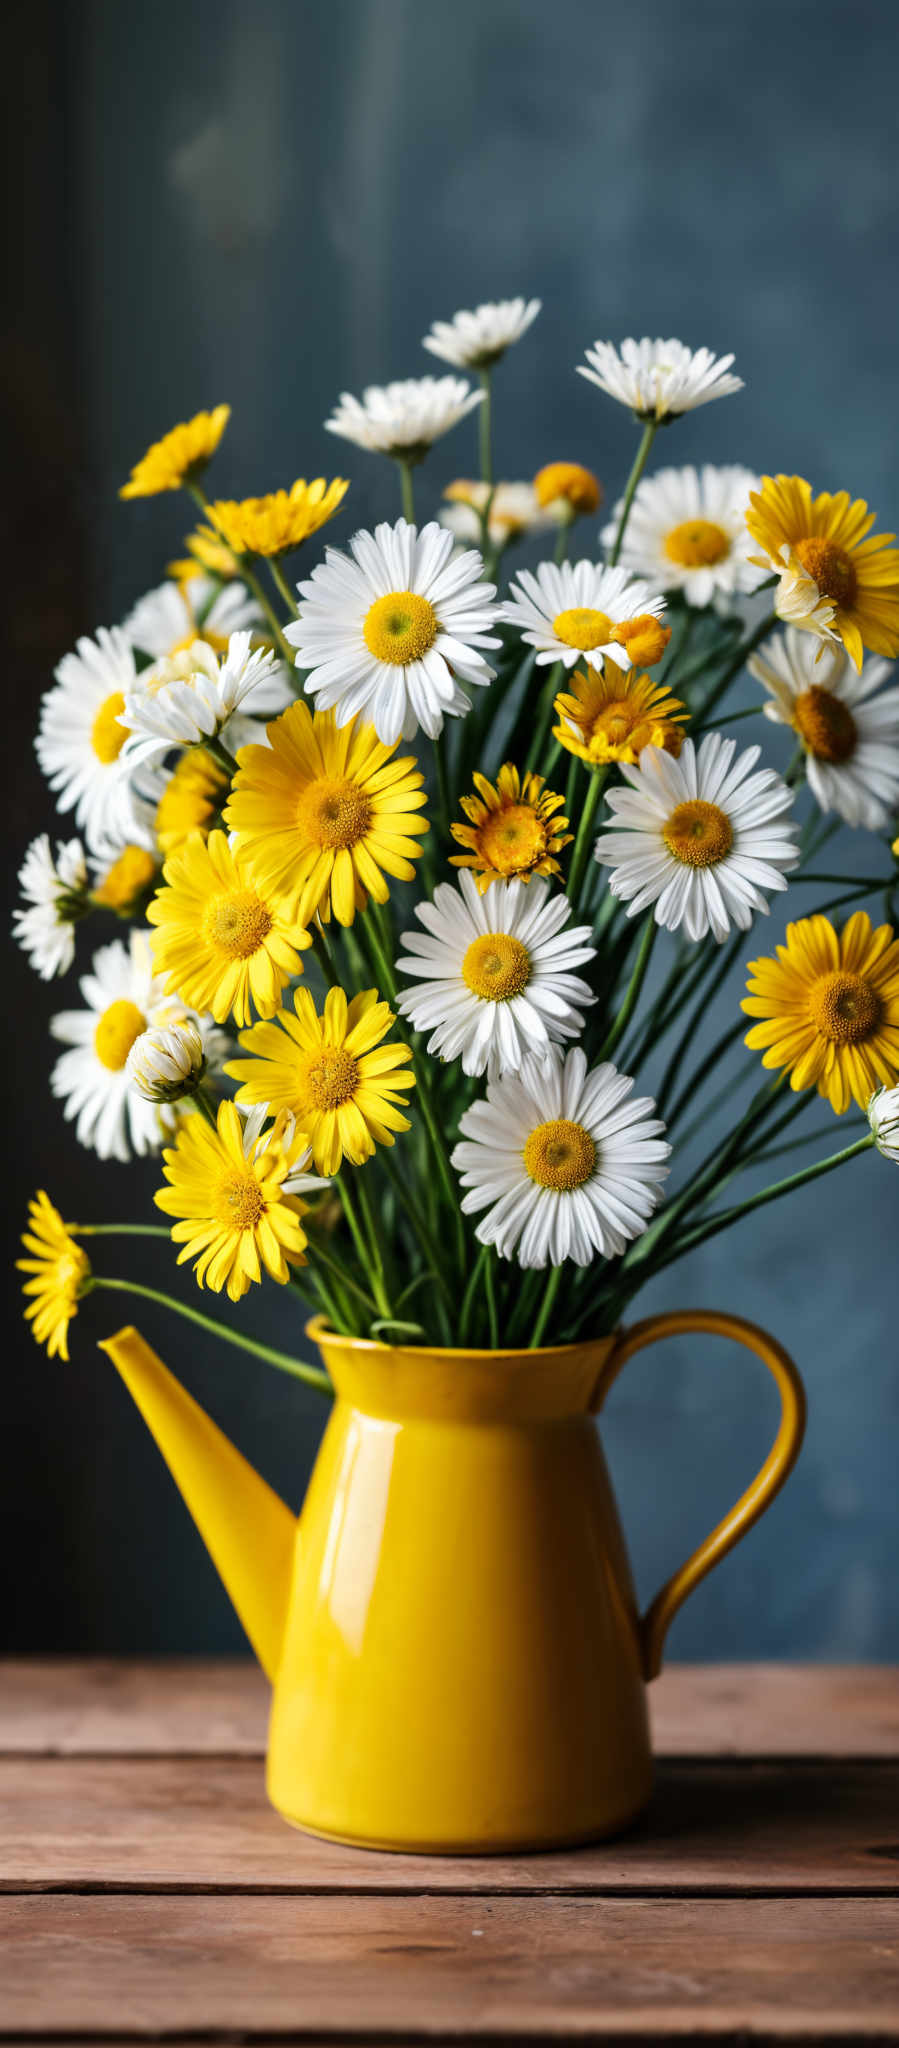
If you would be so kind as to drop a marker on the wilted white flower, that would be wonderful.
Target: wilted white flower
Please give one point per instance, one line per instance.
(55, 892)
(193, 696)
(475, 340)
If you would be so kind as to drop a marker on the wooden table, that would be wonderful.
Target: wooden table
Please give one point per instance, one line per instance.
(149, 1893)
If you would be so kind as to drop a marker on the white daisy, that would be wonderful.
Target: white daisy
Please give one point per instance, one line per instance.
(172, 617)
(883, 1117)
(564, 1164)
(391, 630)
(122, 997)
(515, 511)
(700, 836)
(495, 973)
(80, 737)
(299, 1181)
(475, 340)
(659, 379)
(687, 531)
(193, 696)
(405, 418)
(55, 892)
(571, 609)
(851, 737)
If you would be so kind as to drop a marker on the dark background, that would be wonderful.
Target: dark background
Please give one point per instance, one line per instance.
(269, 203)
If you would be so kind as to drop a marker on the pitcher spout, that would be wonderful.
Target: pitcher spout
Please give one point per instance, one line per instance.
(249, 1532)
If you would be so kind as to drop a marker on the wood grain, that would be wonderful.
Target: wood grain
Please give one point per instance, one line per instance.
(553, 1968)
(193, 1825)
(184, 1706)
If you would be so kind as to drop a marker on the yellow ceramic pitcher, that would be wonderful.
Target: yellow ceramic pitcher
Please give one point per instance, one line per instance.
(451, 1631)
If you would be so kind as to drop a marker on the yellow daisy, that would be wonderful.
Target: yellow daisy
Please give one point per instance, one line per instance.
(325, 812)
(126, 880)
(513, 830)
(61, 1273)
(179, 456)
(571, 485)
(226, 1191)
(830, 1008)
(280, 520)
(189, 800)
(612, 713)
(835, 580)
(332, 1071)
(207, 547)
(224, 939)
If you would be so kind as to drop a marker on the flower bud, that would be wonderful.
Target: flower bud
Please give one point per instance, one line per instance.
(167, 1062)
(883, 1117)
(568, 484)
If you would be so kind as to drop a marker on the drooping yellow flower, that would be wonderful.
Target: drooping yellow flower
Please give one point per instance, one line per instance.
(332, 1071)
(224, 939)
(207, 547)
(225, 1188)
(612, 713)
(279, 521)
(180, 456)
(126, 880)
(326, 811)
(514, 831)
(829, 1005)
(61, 1275)
(576, 486)
(189, 800)
(643, 638)
(836, 578)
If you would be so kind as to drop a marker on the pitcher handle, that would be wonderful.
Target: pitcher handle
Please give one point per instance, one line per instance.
(777, 1467)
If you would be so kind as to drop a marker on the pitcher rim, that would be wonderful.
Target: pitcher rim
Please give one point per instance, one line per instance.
(318, 1328)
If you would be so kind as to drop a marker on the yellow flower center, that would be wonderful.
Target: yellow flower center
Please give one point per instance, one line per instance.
(496, 967)
(107, 736)
(568, 480)
(831, 567)
(697, 543)
(240, 1202)
(217, 641)
(844, 1008)
(825, 724)
(512, 839)
(333, 812)
(583, 628)
(560, 1155)
(619, 720)
(116, 1032)
(130, 873)
(400, 627)
(331, 1079)
(236, 923)
(698, 833)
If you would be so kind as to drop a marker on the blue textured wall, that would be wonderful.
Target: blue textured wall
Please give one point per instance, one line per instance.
(270, 203)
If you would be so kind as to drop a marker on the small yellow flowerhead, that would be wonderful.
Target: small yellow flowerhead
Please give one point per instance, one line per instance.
(280, 520)
(571, 485)
(127, 880)
(611, 714)
(60, 1272)
(643, 638)
(189, 800)
(180, 456)
(206, 547)
(513, 830)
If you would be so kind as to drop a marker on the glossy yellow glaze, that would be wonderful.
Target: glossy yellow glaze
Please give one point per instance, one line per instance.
(461, 1663)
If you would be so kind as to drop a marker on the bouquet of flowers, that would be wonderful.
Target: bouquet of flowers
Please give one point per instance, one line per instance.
(424, 858)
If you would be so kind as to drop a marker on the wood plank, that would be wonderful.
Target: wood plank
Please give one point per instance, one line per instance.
(174, 1823)
(186, 1706)
(548, 1968)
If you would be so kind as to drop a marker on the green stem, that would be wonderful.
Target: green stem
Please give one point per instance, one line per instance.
(485, 437)
(282, 586)
(118, 1230)
(206, 1107)
(714, 1224)
(378, 1274)
(216, 747)
(546, 1308)
(250, 577)
(632, 995)
(310, 1373)
(544, 719)
(595, 789)
(387, 982)
(324, 956)
(407, 489)
(738, 661)
(640, 460)
(560, 551)
(879, 882)
(363, 1251)
(706, 1067)
(333, 1266)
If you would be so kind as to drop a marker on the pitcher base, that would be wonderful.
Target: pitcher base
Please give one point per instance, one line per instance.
(511, 1845)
